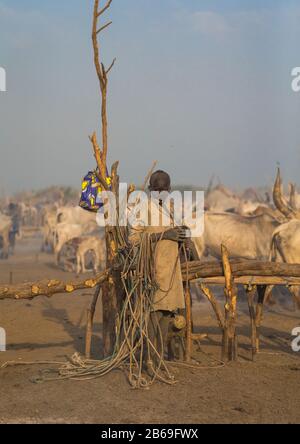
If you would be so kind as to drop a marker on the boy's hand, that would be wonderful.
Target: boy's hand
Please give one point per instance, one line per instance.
(177, 234)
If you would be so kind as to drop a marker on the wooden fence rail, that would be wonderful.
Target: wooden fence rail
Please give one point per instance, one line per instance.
(243, 271)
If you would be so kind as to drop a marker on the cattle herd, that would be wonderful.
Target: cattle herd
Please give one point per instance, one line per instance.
(251, 224)
(64, 229)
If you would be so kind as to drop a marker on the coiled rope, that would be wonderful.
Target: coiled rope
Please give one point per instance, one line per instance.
(133, 346)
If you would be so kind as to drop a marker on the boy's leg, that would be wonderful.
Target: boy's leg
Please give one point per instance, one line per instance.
(153, 333)
(164, 324)
(158, 329)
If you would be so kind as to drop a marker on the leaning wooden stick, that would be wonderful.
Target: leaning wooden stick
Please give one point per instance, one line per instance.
(210, 296)
(188, 308)
(150, 172)
(90, 321)
(229, 336)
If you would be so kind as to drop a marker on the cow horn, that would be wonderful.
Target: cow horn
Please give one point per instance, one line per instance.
(292, 201)
(279, 200)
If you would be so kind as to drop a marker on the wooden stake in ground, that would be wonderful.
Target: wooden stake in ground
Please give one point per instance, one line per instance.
(261, 289)
(90, 321)
(229, 335)
(189, 327)
(210, 296)
(251, 291)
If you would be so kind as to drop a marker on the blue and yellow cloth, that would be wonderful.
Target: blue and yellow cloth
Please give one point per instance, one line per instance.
(91, 191)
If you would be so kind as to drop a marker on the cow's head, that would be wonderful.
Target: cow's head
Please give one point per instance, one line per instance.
(288, 209)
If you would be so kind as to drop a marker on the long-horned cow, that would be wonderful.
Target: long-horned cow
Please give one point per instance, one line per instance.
(286, 238)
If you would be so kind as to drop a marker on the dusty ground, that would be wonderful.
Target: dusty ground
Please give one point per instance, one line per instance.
(265, 392)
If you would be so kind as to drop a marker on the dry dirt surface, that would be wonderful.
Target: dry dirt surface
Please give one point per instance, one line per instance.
(266, 391)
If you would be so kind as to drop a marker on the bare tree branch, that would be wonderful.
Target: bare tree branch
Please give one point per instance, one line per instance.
(103, 9)
(97, 151)
(111, 66)
(104, 27)
(101, 155)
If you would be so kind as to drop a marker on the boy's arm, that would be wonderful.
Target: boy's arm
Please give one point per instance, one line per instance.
(177, 234)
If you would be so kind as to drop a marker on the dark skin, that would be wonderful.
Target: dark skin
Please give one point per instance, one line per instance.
(177, 234)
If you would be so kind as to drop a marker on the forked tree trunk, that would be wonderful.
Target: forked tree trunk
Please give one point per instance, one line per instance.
(110, 303)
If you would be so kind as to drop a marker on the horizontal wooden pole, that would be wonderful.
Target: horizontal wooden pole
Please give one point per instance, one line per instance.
(244, 272)
(49, 287)
(240, 268)
(251, 280)
(198, 336)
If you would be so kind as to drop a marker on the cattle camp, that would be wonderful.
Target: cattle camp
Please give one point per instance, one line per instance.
(127, 297)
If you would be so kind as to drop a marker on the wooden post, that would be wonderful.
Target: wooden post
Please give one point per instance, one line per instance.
(261, 289)
(188, 308)
(90, 320)
(113, 291)
(251, 291)
(294, 291)
(229, 335)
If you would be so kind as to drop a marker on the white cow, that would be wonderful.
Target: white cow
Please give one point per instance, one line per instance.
(286, 248)
(286, 243)
(286, 238)
(97, 247)
(5, 228)
(49, 230)
(76, 215)
(247, 237)
(221, 199)
(65, 232)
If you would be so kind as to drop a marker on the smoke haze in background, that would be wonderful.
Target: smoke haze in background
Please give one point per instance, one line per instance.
(202, 86)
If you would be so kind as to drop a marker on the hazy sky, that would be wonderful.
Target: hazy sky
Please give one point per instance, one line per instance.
(204, 86)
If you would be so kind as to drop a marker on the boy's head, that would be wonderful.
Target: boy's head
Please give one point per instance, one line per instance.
(160, 181)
